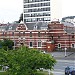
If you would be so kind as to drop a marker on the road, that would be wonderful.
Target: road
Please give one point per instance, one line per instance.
(62, 62)
(59, 68)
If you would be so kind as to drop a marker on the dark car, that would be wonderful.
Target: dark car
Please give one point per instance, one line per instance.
(70, 70)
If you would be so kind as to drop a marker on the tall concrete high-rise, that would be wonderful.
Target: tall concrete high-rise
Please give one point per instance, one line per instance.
(40, 11)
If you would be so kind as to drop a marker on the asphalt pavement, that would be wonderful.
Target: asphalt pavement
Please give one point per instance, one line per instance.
(63, 55)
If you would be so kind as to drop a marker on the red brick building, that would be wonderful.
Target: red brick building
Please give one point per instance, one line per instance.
(57, 36)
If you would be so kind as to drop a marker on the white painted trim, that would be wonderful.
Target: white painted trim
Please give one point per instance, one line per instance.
(39, 12)
(37, 44)
(36, 2)
(34, 32)
(58, 45)
(29, 44)
(37, 7)
(37, 17)
(27, 32)
(72, 46)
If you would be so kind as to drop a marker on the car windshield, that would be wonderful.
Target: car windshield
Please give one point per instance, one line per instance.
(70, 68)
(67, 68)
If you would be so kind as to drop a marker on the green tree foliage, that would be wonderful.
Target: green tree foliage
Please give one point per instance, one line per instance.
(25, 61)
(3, 58)
(6, 44)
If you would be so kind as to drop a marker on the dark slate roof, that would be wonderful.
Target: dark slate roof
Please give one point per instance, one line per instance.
(9, 26)
(30, 26)
(68, 24)
(12, 26)
(39, 25)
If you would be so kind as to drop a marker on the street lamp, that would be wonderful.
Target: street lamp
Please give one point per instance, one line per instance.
(69, 41)
(65, 48)
(65, 51)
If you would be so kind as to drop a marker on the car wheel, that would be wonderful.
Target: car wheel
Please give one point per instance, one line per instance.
(66, 74)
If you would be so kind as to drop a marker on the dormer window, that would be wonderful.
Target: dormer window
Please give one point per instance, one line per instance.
(35, 27)
(10, 28)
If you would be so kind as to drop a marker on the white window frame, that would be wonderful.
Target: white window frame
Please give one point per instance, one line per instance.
(30, 46)
(38, 45)
(58, 45)
(72, 46)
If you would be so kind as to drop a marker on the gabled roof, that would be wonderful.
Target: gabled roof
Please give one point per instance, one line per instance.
(10, 26)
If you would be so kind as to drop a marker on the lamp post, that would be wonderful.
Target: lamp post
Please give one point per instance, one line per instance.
(69, 41)
(65, 48)
(65, 51)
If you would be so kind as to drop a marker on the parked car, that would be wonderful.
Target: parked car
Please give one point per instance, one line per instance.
(70, 70)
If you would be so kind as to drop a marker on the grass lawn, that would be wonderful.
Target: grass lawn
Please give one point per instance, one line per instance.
(3, 73)
(38, 73)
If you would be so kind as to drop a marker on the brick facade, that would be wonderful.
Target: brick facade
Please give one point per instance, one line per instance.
(53, 38)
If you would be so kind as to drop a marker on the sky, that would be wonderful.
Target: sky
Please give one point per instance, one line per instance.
(68, 8)
(10, 10)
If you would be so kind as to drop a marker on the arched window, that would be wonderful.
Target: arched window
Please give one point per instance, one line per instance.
(31, 44)
(73, 45)
(59, 45)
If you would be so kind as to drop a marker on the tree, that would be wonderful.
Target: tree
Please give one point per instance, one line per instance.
(6, 44)
(25, 61)
(21, 18)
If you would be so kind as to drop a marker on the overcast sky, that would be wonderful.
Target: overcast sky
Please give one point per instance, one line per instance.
(68, 8)
(10, 10)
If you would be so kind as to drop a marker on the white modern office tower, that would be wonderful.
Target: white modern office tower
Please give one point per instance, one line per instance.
(40, 11)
